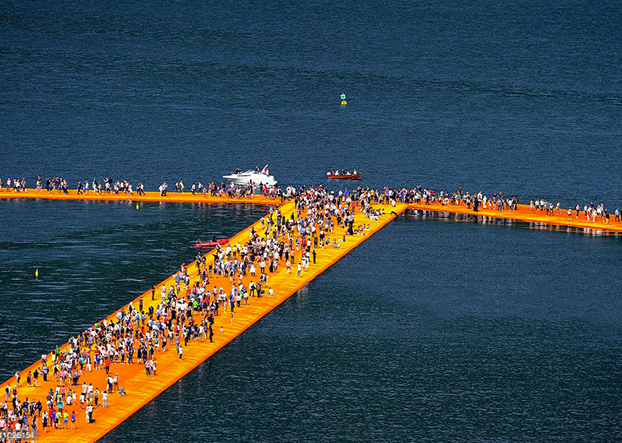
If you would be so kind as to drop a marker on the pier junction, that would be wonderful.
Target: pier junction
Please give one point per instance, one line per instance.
(295, 242)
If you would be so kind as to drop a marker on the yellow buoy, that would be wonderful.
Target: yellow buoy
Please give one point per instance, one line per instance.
(137, 207)
(36, 273)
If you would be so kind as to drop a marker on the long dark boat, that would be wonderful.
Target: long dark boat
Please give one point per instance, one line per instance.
(344, 176)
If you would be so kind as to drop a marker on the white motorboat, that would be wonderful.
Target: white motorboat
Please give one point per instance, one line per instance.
(255, 177)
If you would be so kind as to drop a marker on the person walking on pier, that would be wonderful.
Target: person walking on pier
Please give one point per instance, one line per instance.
(33, 425)
(89, 414)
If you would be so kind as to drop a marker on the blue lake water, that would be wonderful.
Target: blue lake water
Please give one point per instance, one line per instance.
(433, 330)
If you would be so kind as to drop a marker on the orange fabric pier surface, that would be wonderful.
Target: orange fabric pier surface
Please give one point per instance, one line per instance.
(179, 197)
(142, 388)
(524, 213)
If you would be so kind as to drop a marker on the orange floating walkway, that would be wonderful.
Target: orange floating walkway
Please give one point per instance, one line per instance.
(142, 388)
(521, 213)
(176, 197)
(524, 213)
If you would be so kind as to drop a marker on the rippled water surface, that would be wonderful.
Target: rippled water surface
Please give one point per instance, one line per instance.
(435, 329)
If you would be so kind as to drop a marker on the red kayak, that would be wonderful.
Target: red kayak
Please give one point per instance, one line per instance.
(211, 244)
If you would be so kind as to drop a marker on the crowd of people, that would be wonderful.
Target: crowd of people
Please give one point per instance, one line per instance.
(420, 195)
(496, 202)
(225, 190)
(14, 185)
(184, 312)
(109, 186)
(187, 310)
(341, 172)
(61, 186)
